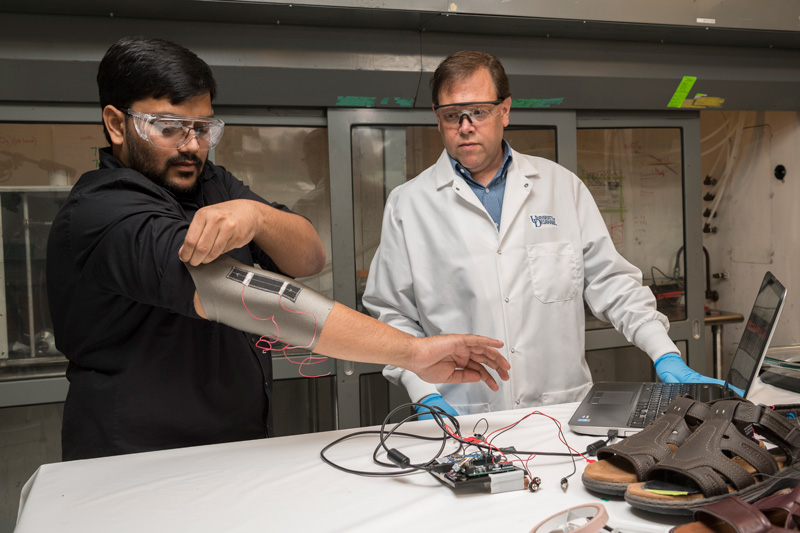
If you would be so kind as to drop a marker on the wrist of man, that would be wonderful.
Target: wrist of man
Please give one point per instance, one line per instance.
(406, 355)
(416, 387)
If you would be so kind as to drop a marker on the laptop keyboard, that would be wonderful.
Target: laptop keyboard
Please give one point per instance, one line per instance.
(655, 398)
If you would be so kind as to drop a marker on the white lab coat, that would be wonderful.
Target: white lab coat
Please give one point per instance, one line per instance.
(443, 267)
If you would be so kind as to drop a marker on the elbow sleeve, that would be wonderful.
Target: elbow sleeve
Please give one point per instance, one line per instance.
(262, 302)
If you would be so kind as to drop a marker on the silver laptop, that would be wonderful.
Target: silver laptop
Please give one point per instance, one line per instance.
(628, 407)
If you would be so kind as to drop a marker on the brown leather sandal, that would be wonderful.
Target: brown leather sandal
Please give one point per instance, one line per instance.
(775, 513)
(722, 458)
(629, 460)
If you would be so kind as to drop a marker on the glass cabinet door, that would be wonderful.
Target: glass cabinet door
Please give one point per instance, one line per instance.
(38, 165)
(636, 178)
(644, 174)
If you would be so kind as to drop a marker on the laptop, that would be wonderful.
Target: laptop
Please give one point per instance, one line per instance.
(629, 407)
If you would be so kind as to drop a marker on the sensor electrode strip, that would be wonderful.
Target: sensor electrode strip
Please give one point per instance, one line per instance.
(257, 301)
(265, 283)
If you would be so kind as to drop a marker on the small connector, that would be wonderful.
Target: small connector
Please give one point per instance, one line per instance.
(398, 458)
(534, 484)
(612, 434)
(564, 484)
(593, 447)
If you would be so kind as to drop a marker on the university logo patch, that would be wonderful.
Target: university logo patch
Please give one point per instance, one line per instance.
(543, 220)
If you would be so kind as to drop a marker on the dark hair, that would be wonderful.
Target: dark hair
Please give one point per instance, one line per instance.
(136, 68)
(462, 65)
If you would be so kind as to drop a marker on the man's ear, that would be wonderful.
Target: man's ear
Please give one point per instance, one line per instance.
(505, 109)
(114, 119)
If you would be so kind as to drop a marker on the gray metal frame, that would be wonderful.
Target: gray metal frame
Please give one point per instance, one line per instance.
(340, 123)
(692, 329)
(689, 13)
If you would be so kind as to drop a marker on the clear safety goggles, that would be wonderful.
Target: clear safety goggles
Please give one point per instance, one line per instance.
(476, 112)
(176, 131)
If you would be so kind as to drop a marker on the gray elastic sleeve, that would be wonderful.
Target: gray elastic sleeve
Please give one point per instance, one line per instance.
(258, 301)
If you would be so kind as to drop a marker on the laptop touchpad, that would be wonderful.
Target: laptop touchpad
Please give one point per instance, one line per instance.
(611, 398)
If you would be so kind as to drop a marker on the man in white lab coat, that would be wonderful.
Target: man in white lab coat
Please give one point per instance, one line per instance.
(495, 242)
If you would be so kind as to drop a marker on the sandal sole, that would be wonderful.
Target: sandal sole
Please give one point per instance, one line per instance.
(605, 487)
(686, 506)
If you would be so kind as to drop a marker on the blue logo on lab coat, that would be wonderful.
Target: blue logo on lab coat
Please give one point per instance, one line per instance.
(543, 220)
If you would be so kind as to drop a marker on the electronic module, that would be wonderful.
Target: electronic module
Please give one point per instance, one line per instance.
(482, 470)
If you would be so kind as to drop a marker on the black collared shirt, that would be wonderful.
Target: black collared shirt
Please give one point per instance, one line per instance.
(145, 372)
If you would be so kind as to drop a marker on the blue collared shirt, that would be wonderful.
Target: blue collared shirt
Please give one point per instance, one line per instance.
(491, 196)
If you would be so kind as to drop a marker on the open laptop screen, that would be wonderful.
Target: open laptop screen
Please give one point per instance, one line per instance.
(757, 333)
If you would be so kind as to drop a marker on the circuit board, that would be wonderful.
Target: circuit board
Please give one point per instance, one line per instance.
(471, 470)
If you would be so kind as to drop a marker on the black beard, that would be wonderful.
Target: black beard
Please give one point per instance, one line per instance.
(140, 160)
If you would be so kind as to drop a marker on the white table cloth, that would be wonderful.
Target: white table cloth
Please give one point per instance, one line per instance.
(281, 484)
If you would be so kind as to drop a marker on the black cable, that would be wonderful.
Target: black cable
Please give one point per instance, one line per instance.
(546, 454)
(474, 432)
(361, 472)
(394, 453)
(439, 416)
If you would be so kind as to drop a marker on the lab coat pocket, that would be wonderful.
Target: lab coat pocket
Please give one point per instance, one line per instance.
(554, 271)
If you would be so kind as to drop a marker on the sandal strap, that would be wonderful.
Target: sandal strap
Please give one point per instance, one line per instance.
(649, 446)
(788, 503)
(742, 517)
(782, 429)
(702, 458)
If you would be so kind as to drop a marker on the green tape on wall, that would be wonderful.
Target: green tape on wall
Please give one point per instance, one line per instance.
(356, 101)
(680, 93)
(535, 102)
(372, 101)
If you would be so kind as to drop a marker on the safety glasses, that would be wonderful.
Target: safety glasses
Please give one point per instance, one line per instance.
(476, 112)
(176, 131)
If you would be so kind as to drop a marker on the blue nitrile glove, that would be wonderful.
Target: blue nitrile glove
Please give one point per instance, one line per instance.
(671, 369)
(434, 400)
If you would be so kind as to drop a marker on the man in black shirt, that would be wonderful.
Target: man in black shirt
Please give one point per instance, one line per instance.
(146, 371)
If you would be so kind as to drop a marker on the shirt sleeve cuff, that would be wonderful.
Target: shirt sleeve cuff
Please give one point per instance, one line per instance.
(416, 387)
(652, 338)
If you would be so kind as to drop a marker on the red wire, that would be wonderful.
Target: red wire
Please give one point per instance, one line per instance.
(473, 440)
(310, 360)
(560, 433)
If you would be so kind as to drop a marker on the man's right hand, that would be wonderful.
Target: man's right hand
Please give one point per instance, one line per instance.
(457, 359)
(348, 334)
(219, 228)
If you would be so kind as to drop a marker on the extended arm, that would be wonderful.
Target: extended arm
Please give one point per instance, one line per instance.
(266, 303)
(614, 290)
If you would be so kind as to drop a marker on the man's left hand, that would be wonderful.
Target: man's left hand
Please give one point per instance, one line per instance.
(458, 359)
(671, 369)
